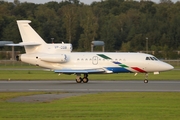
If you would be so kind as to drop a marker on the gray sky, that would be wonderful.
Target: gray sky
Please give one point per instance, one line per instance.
(84, 1)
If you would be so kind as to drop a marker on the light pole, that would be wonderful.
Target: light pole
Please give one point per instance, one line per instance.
(146, 44)
(97, 43)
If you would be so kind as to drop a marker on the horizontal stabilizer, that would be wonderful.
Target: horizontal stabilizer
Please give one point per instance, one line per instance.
(24, 44)
(72, 71)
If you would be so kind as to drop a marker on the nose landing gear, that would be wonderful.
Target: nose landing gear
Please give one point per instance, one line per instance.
(146, 76)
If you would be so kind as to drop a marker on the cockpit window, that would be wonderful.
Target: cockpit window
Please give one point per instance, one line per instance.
(155, 58)
(147, 58)
(151, 58)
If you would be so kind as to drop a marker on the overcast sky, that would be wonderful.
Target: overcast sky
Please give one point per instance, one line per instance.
(84, 1)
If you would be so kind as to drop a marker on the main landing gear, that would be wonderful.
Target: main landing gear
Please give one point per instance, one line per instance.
(84, 79)
(146, 76)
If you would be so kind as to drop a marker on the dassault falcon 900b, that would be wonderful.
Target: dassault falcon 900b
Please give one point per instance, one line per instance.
(60, 59)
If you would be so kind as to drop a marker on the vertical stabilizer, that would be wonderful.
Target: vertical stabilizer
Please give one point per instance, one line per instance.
(29, 36)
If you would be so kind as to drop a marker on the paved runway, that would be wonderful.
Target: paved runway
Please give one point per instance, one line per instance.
(92, 86)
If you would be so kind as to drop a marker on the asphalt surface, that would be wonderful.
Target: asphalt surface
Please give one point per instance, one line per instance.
(91, 86)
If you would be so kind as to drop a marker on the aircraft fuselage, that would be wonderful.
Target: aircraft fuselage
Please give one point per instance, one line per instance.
(115, 62)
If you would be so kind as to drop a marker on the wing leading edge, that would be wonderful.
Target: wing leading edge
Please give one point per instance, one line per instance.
(82, 71)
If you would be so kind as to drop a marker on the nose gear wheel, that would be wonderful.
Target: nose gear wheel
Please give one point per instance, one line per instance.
(146, 76)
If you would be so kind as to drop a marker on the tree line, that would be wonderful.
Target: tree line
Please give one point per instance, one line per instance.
(122, 25)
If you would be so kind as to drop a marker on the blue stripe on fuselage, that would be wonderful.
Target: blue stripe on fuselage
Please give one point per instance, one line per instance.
(116, 62)
(117, 69)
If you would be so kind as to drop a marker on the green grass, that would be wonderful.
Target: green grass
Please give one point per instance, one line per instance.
(50, 75)
(7, 95)
(101, 106)
(30, 72)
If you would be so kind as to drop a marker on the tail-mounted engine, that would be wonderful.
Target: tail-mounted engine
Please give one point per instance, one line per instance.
(57, 58)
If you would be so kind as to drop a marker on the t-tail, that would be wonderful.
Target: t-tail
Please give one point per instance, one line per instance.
(33, 43)
(31, 40)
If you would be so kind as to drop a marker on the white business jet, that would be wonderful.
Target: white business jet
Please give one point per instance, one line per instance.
(60, 59)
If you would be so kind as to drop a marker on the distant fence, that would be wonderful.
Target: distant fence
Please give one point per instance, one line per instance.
(8, 54)
(175, 63)
(12, 63)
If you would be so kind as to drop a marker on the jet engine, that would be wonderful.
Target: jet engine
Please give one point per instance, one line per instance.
(58, 58)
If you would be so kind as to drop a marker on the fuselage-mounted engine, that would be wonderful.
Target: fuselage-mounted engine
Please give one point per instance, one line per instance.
(55, 58)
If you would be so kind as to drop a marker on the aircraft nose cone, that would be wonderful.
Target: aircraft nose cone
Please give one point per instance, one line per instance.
(168, 67)
(162, 66)
(171, 67)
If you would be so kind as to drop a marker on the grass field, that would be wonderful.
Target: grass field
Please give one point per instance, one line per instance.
(50, 75)
(22, 71)
(100, 106)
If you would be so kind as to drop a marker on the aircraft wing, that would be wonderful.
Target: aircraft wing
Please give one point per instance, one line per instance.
(81, 71)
